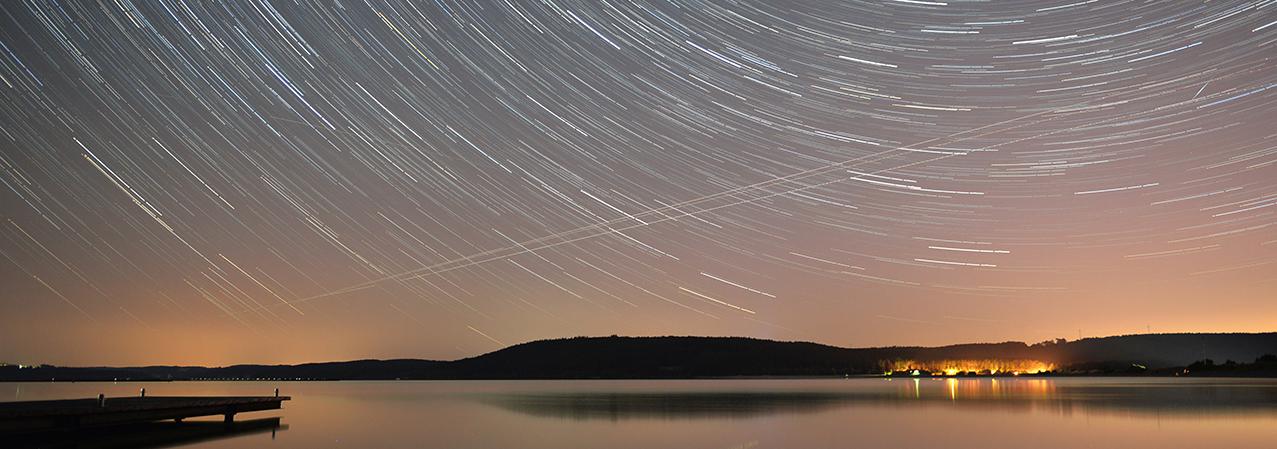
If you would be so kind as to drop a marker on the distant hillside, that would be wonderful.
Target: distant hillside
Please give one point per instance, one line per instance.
(1164, 350)
(687, 357)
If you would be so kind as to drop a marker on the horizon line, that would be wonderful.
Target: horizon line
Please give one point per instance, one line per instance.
(6, 363)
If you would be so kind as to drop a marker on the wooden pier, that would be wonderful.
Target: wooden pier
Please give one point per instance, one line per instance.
(80, 414)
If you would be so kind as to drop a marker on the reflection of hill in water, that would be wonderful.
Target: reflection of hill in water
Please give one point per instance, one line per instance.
(599, 405)
(1163, 399)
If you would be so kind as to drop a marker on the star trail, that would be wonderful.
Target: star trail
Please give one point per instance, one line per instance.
(214, 182)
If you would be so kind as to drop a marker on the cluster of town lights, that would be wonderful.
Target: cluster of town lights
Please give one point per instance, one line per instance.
(985, 367)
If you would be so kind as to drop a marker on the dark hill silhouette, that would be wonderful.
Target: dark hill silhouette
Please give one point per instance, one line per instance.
(1164, 350)
(664, 357)
(686, 357)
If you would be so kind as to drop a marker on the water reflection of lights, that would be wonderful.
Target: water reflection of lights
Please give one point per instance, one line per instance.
(972, 389)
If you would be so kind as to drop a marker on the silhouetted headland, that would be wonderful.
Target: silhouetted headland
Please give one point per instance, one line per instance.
(700, 357)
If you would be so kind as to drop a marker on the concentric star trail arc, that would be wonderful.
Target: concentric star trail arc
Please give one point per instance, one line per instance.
(185, 180)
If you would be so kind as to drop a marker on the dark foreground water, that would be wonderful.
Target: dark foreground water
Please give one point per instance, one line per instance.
(733, 414)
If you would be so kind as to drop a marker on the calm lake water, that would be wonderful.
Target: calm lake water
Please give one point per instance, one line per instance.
(734, 414)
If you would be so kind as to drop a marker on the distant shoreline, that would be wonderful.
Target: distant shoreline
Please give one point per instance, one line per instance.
(658, 379)
(580, 358)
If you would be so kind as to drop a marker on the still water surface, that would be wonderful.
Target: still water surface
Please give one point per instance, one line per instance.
(735, 414)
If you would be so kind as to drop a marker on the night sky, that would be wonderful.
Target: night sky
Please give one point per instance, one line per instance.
(201, 182)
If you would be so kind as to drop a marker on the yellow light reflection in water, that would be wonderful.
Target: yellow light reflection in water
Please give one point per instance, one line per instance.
(959, 389)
